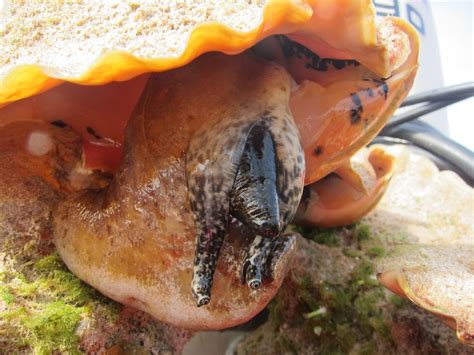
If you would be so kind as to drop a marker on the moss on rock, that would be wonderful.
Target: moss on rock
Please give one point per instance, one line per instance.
(50, 327)
(332, 302)
(43, 310)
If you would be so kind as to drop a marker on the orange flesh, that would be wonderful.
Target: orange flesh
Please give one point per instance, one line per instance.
(106, 109)
(321, 114)
(329, 134)
(341, 199)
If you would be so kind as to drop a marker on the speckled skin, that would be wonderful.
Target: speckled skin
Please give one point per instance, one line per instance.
(212, 165)
(135, 240)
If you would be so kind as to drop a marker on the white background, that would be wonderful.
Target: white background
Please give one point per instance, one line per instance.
(454, 27)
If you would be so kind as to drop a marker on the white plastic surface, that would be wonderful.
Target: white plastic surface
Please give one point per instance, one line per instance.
(430, 76)
(446, 56)
(454, 25)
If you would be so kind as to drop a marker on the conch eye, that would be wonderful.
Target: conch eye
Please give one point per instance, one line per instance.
(248, 164)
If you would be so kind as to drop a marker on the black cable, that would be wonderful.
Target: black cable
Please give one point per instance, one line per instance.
(440, 162)
(447, 93)
(448, 154)
(418, 112)
(424, 136)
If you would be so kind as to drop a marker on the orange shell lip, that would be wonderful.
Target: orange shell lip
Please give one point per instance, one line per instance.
(316, 22)
(23, 81)
(306, 19)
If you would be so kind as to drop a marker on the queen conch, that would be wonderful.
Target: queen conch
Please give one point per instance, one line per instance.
(177, 138)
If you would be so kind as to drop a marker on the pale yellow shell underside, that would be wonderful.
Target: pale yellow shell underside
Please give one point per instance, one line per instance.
(429, 214)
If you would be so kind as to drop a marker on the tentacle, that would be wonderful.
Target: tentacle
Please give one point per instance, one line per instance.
(255, 260)
(211, 174)
(262, 258)
(254, 170)
(255, 201)
(208, 246)
(280, 248)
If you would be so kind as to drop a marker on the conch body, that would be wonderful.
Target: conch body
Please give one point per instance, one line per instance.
(139, 251)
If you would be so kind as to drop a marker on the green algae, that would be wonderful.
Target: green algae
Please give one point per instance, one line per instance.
(349, 308)
(52, 327)
(397, 301)
(276, 310)
(352, 253)
(356, 304)
(288, 345)
(57, 280)
(6, 295)
(328, 237)
(304, 292)
(376, 252)
(335, 317)
(45, 305)
(362, 232)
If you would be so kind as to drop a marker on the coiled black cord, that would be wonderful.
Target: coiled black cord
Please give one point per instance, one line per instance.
(431, 101)
(446, 93)
(446, 153)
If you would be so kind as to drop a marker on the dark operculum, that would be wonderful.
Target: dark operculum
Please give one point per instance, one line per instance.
(254, 197)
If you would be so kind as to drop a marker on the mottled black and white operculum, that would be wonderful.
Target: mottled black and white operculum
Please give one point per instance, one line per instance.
(248, 164)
